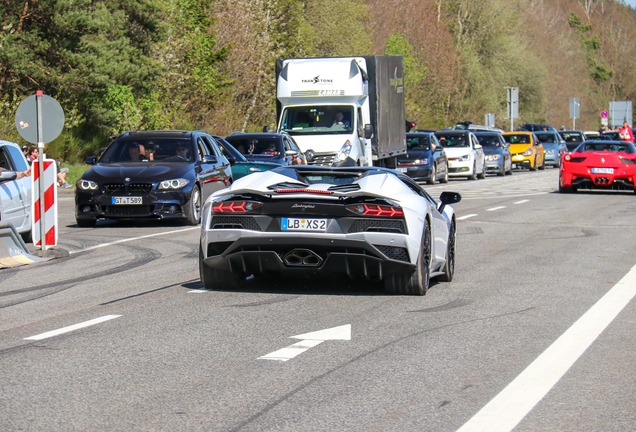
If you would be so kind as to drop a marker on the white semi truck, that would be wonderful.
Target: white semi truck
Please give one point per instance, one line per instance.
(343, 111)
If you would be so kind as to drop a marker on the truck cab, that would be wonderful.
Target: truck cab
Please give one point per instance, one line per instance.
(343, 111)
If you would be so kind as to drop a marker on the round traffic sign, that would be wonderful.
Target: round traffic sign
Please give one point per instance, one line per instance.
(26, 119)
(604, 114)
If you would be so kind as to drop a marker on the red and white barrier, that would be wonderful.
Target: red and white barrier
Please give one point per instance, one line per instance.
(50, 203)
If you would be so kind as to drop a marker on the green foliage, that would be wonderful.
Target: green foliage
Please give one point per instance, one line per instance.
(598, 71)
(413, 71)
(76, 50)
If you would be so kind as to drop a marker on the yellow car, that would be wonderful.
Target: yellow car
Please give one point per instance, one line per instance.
(526, 149)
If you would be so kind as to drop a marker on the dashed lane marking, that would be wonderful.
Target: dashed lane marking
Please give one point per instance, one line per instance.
(72, 327)
(466, 217)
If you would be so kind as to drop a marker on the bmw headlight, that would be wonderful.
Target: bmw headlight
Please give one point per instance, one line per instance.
(173, 184)
(86, 184)
(528, 152)
(345, 151)
(493, 157)
(464, 158)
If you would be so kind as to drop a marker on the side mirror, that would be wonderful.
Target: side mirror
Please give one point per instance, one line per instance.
(265, 128)
(231, 160)
(448, 198)
(91, 160)
(291, 152)
(8, 175)
(368, 131)
(477, 146)
(210, 159)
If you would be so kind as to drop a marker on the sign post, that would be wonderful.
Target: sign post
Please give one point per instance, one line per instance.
(604, 117)
(46, 114)
(575, 110)
(513, 105)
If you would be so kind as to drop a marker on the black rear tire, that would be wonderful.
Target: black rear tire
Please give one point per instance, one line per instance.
(217, 279)
(449, 266)
(417, 282)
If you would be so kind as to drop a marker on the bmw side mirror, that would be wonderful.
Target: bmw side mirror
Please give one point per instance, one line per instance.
(8, 175)
(91, 160)
(448, 198)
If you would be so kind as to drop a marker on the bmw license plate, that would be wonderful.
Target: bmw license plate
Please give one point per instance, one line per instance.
(303, 224)
(127, 200)
(403, 170)
(603, 170)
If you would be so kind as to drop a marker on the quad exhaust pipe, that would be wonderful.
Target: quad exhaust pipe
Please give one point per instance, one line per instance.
(302, 258)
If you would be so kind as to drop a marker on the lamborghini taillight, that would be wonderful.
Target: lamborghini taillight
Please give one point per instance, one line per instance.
(364, 209)
(231, 207)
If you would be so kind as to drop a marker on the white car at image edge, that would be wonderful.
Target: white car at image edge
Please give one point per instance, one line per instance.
(15, 194)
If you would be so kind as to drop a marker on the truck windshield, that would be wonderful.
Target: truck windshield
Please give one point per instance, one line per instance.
(318, 120)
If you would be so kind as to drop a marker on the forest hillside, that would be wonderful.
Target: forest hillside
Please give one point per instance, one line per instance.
(118, 65)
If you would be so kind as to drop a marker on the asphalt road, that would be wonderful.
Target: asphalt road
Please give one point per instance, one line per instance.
(170, 356)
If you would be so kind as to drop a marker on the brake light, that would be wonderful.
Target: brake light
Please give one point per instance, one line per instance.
(315, 191)
(376, 210)
(236, 206)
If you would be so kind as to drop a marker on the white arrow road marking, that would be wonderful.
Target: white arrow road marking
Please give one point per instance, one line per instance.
(71, 328)
(309, 340)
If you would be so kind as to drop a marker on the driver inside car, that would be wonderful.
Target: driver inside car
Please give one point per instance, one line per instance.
(182, 151)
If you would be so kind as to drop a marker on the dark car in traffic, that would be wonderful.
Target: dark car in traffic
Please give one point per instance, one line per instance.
(496, 152)
(152, 175)
(278, 148)
(240, 165)
(572, 138)
(554, 147)
(425, 159)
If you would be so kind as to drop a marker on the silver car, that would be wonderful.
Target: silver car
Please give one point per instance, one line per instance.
(15, 194)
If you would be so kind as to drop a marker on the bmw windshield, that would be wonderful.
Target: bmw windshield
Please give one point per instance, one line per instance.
(148, 150)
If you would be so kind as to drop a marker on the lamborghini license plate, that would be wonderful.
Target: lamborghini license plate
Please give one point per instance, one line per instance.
(303, 224)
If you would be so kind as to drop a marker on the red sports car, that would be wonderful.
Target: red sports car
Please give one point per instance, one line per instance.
(605, 165)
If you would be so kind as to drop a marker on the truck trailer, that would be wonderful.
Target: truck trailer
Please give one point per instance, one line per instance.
(343, 111)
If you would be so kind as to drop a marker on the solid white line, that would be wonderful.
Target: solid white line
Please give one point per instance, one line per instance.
(466, 217)
(71, 328)
(496, 208)
(522, 201)
(510, 406)
(132, 239)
